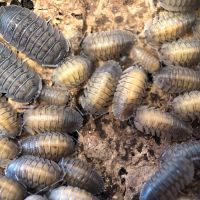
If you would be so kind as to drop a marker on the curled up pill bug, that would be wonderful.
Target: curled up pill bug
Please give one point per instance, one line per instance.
(70, 193)
(80, 174)
(35, 197)
(107, 45)
(129, 93)
(32, 35)
(158, 123)
(168, 181)
(99, 90)
(52, 118)
(34, 172)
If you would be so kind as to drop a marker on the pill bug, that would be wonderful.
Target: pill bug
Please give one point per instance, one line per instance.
(34, 172)
(32, 35)
(182, 5)
(10, 189)
(145, 59)
(17, 80)
(169, 180)
(129, 93)
(9, 124)
(70, 193)
(184, 52)
(100, 88)
(107, 45)
(162, 124)
(168, 26)
(35, 197)
(79, 174)
(52, 118)
(177, 79)
(72, 73)
(53, 146)
(54, 96)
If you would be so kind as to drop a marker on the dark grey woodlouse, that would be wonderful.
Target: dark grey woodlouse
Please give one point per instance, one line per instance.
(32, 35)
(54, 96)
(177, 79)
(53, 146)
(162, 124)
(99, 91)
(35, 197)
(108, 45)
(129, 93)
(169, 180)
(34, 172)
(52, 118)
(17, 80)
(79, 174)
(11, 189)
(70, 193)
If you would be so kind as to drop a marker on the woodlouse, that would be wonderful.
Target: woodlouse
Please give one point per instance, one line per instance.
(53, 146)
(145, 59)
(184, 52)
(11, 189)
(70, 193)
(162, 124)
(35, 197)
(169, 180)
(107, 45)
(32, 35)
(17, 80)
(177, 79)
(34, 172)
(54, 96)
(52, 118)
(79, 174)
(72, 73)
(100, 88)
(129, 93)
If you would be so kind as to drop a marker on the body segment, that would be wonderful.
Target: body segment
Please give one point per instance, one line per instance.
(35, 197)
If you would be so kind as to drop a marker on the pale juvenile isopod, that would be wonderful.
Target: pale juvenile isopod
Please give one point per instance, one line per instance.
(177, 79)
(52, 118)
(145, 59)
(129, 93)
(161, 124)
(35, 197)
(11, 189)
(168, 181)
(80, 174)
(70, 193)
(32, 35)
(184, 53)
(53, 146)
(100, 88)
(108, 45)
(73, 72)
(54, 96)
(34, 172)
(17, 80)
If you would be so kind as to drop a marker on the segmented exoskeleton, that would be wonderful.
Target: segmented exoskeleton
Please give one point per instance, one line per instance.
(35, 197)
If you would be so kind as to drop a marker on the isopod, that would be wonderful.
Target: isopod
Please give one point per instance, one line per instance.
(17, 80)
(53, 146)
(169, 180)
(79, 174)
(72, 73)
(52, 118)
(35, 197)
(54, 96)
(145, 59)
(108, 45)
(32, 35)
(34, 172)
(184, 52)
(129, 93)
(100, 88)
(177, 79)
(70, 193)
(162, 124)
(11, 189)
